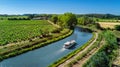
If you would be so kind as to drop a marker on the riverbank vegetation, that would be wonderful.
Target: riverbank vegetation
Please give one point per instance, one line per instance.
(105, 56)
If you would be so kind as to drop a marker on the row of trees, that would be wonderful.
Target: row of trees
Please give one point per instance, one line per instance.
(18, 18)
(70, 20)
(86, 20)
(102, 16)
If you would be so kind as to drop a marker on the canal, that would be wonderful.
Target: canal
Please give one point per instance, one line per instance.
(44, 56)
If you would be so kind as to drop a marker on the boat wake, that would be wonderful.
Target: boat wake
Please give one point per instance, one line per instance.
(61, 50)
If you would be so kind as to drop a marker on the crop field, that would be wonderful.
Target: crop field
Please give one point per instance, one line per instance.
(18, 30)
(108, 24)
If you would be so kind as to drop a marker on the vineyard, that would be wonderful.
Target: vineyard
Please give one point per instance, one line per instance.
(19, 30)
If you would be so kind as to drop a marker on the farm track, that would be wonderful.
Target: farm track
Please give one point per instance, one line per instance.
(84, 59)
(18, 43)
(53, 24)
(81, 62)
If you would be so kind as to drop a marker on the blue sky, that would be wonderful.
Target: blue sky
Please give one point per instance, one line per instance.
(59, 6)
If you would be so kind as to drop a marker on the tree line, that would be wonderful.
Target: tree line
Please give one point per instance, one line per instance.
(18, 18)
(101, 16)
(69, 20)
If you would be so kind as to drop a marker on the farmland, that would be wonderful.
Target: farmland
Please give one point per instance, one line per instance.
(108, 24)
(18, 30)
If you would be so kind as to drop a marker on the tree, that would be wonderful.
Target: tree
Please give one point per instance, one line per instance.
(31, 16)
(54, 18)
(85, 20)
(68, 20)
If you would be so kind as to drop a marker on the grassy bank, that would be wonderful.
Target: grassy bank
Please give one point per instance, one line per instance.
(7, 52)
(73, 53)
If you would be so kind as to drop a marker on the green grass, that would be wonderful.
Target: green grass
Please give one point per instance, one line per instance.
(19, 30)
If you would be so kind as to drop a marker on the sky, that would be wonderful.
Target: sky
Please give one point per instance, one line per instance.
(59, 6)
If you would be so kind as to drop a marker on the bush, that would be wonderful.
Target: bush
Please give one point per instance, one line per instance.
(117, 27)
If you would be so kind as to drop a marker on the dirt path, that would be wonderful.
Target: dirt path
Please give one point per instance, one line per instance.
(53, 24)
(68, 61)
(88, 56)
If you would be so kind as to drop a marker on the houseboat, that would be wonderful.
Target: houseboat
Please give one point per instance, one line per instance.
(69, 44)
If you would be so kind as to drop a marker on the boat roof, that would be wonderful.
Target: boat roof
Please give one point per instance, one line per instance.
(67, 43)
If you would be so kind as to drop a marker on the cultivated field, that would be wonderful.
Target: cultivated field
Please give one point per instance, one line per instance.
(18, 30)
(108, 24)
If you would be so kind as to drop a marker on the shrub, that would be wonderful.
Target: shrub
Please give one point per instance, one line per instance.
(117, 27)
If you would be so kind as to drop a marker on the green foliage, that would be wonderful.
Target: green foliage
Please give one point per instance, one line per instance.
(105, 56)
(85, 20)
(110, 40)
(99, 60)
(67, 20)
(18, 19)
(101, 16)
(18, 30)
(117, 27)
(6, 17)
(54, 19)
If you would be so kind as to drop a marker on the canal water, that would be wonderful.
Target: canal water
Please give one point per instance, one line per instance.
(44, 56)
